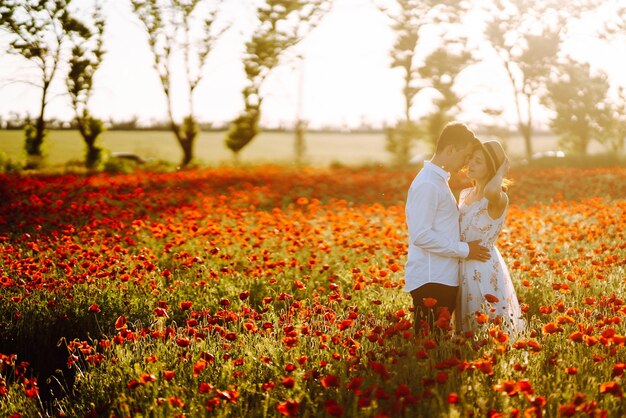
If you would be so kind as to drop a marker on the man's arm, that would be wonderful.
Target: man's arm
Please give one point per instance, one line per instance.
(422, 203)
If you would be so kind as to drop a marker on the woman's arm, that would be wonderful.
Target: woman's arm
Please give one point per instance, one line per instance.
(493, 190)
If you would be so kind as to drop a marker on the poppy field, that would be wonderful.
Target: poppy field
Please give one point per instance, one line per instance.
(270, 291)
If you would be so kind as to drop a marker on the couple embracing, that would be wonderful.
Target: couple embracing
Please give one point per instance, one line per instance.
(451, 256)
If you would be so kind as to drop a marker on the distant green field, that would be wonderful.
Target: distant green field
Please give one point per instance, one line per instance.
(270, 147)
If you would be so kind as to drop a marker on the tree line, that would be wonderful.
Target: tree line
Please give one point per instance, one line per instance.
(527, 36)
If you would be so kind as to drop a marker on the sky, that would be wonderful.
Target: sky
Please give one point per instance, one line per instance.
(343, 80)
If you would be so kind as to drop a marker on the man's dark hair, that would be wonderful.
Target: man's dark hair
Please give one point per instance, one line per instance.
(456, 134)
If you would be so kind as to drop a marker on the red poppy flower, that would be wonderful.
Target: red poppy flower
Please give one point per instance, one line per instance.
(576, 336)
(288, 408)
(175, 401)
(429, 302)
(205, 387)
(442, 377)
(161, 312)
(198, 367)
(95, 308)
(482, 318)
(133, 384)
(183, 342)
(120, 323)
(333, 408)
(611, 387)
(147, 378)
(551, 328)
(355, 383)
(289, 382)
(491, 298)
(618, 370)
(330, 381)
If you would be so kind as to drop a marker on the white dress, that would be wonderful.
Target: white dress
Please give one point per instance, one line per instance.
(478, 279)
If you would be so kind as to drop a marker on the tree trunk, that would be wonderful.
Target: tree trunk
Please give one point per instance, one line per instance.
(582, 145)
(40, 127)
(187, 146)
(300, 146)
(526, 134)
(93, 154)
(528, 129)
(405, 135)
(33, 146)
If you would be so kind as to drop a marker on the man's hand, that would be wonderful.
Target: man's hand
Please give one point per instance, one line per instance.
(477, 251)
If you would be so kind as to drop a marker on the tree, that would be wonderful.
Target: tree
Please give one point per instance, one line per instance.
(299, 145)
(409, 20)
(440, 70)
(614, 24)
(495, 126)
(87, 55)
(614, 29)
(38, 31)
(579, 99)
(527, 37)
(613, 134)
(169, 25)
(281, 25)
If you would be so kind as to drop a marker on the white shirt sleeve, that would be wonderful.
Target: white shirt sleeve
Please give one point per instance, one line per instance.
(423, 201)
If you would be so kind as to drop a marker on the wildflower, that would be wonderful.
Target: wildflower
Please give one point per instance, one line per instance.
(611, 387)
(133, 384)
(355, 383)
(205, 387)
(147, 378)
(453, 398)
(198, 367)
(618, 370)
(161, 312)
(94, 308)
(333, 408)
(429, 302)
(551, 328)
(183, 342)
(288, 408)
(289, 382)
(120, 323)
(576, 336)
(330, 381)
(175, 401)
(185, 305)
(491, 298)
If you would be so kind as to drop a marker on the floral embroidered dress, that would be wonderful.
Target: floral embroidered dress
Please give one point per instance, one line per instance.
(479, 279)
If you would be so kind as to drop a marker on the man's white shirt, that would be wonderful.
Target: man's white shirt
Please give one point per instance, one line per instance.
(432, 217)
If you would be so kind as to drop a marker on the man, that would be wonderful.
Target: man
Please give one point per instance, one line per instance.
(432, 217)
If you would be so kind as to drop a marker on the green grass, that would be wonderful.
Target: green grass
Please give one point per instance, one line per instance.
(322, 149)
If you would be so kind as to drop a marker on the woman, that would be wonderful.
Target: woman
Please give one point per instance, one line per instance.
(486, 287)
